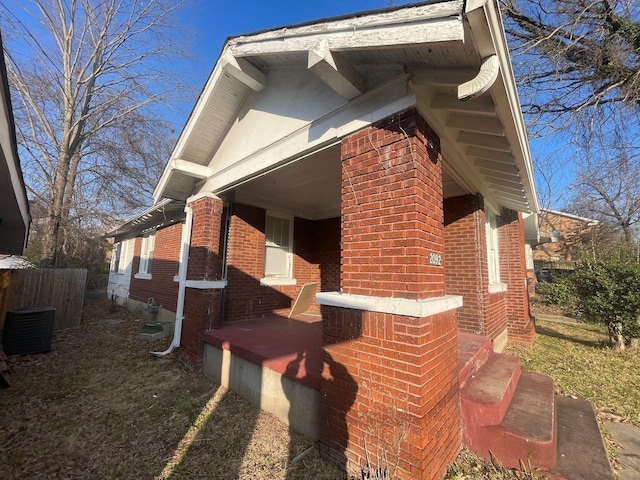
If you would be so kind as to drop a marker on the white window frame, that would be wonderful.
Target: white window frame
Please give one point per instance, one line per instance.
(146, 255)
(493, 254)
(273, 278)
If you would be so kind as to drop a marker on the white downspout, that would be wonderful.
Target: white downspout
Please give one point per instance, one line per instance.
(182, 282)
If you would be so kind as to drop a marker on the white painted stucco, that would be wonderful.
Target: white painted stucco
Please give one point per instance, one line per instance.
(293, 98)
(120, 280)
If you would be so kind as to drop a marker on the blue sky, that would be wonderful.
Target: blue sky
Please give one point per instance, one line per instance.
(212, 21)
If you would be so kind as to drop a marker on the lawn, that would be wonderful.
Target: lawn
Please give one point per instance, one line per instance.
(577, 358)
(100, 406)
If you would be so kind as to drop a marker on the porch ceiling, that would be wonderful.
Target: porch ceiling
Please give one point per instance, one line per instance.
(309, 188)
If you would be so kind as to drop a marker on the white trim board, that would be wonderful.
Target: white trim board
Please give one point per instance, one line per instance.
(397, 306)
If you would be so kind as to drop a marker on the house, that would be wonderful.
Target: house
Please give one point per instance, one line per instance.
(561, 234)
(14, 206)
(382, 156)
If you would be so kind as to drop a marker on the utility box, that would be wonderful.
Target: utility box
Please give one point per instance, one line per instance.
(28, 330)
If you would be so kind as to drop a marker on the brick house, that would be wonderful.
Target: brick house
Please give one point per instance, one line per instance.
(561, 233)
(382, 156)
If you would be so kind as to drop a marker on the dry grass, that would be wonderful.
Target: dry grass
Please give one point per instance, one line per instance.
(580, 363)
(469, 466)
(100, 406)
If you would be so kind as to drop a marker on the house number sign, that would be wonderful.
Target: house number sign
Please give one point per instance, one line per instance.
(435, 259)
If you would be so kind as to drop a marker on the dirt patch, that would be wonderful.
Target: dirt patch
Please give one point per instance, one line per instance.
(99, 405)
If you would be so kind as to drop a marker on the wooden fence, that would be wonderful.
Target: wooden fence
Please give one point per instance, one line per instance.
(62, 289)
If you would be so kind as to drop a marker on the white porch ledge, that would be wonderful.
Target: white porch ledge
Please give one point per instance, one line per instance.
(203, 284)
(277, 281)
(397, 306)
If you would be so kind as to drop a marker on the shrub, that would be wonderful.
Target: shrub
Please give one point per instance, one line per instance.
(606, 290)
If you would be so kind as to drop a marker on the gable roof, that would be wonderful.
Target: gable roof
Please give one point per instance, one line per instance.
(447, 58)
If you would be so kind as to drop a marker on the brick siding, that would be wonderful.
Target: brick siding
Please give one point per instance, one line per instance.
(513, 272)
(392, 382)
(316, 258)
(164, 267)
(466, 267)
(392, 209)
(202, 308)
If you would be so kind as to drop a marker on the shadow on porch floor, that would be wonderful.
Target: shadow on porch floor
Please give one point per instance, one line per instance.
(275, 342)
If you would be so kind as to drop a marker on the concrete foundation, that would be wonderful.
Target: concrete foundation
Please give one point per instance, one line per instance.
(292, 402)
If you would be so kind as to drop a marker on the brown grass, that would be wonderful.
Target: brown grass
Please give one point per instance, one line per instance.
(100, 406)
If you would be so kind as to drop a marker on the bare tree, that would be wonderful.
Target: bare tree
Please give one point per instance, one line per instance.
(575, 54)
(609, 191)
(578, 66)
(89, 77)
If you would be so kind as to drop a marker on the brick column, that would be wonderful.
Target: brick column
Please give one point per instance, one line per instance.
(513, 272)
(390, 379)
(392, 209)
(202, 306)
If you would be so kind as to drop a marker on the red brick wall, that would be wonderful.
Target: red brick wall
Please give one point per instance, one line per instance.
(316, 248)
(202, 308)
(164, 266)
(513, 272)
(466, 267)
(465, 259)
(496, 314)
(392, 209)
(391, 381)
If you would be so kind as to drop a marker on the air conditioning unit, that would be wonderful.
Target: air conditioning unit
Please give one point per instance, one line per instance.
(28, 330)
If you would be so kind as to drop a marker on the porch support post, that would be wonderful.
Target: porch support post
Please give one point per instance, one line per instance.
(390, 384)
(202, 306)
(513, 272)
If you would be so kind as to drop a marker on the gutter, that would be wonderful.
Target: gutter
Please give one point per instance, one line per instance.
(182, 283)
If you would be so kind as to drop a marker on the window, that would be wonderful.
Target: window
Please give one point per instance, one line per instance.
(492, 249)
(278, 246)
(115, 260)
(146, 253)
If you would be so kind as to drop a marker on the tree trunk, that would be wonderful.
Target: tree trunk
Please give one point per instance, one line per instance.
(616, 338)
(633, 345)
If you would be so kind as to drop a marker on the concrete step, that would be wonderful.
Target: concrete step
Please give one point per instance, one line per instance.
(473, 352)
(527, 436)
(581, 451)
(486, 396)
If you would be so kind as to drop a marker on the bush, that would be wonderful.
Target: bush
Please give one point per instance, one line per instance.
(606, 290)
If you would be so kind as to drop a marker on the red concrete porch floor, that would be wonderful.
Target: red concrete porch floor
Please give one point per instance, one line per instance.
(290, 347)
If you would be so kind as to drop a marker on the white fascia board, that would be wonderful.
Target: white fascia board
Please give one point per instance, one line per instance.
(193, 119)
(421, 32)
(435, 22)
(396, 306)
(364, 110)
(488, 32)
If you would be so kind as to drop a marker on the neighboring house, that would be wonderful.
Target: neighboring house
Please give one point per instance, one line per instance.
(381, 155)
(14, 206)
(561, 234)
